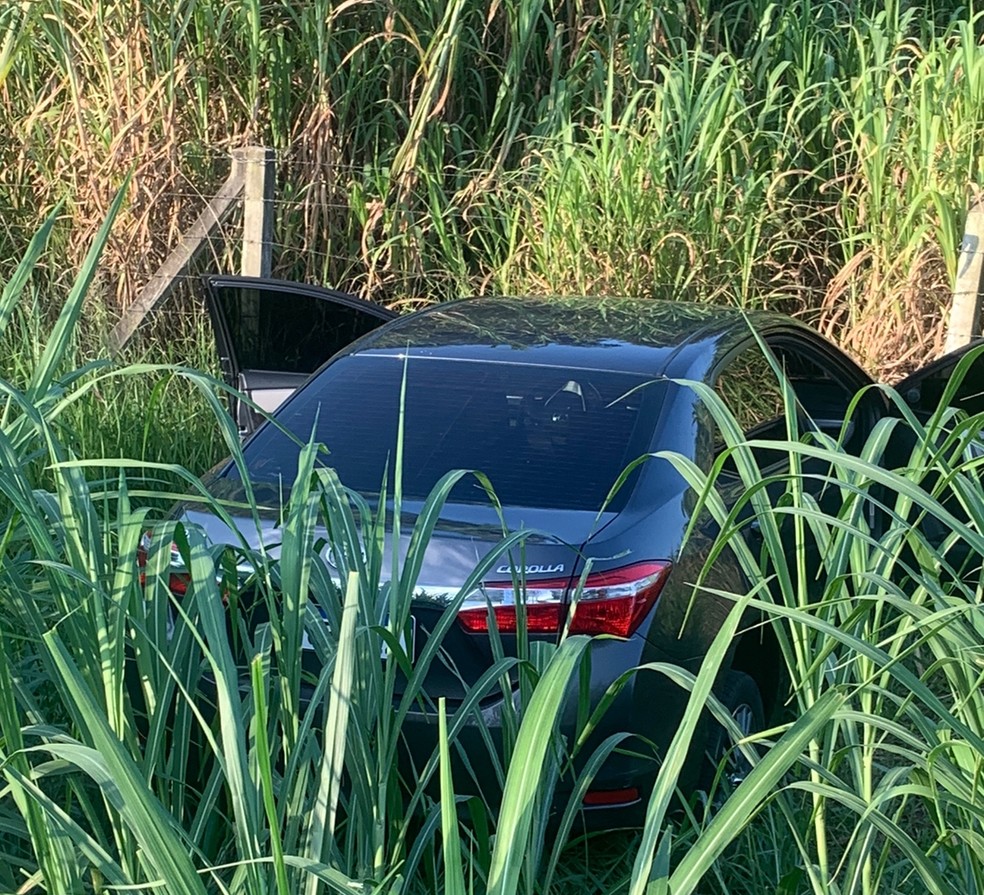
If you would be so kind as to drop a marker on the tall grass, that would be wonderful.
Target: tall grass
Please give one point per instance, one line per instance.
(149, 742)
(807, 154)
(890, 623)
(159, 796)
(754, 154)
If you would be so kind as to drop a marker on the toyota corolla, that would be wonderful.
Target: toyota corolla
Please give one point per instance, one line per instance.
(551, 400)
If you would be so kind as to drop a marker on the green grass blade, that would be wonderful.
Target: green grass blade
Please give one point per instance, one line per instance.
(15, 286)
(49, 840)
(324, 810)
(751, 794)
(61, 336)
(231, 755)
(454, 880)
(107, 763)
(265, 770)
(536, 732)
(680, 746)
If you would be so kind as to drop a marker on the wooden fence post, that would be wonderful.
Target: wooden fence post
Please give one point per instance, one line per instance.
(193, 242)
(260, 179)
(964, 323)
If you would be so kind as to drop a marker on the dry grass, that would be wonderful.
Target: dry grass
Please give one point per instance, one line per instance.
(756, 157)
(892, 323)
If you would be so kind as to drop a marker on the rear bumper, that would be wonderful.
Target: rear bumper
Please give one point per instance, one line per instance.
(647, 709)
(645, 713)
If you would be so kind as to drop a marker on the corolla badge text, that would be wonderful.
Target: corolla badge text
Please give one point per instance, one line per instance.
(531, 570)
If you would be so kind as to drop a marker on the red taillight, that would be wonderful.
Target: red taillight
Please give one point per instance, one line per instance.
(542, 619)
(611, 796)
(177, 582)
(613, 602)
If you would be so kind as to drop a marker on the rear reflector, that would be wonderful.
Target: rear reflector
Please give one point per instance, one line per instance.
(612, 796)
(613, 602)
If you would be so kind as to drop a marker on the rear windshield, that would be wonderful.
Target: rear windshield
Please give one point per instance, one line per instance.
(545, 437)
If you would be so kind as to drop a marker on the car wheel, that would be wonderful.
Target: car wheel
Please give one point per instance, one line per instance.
(741, 697)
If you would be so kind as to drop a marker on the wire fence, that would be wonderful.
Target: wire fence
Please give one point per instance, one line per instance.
(399, 237)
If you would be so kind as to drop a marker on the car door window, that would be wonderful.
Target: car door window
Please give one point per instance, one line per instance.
(751, 391)
(924, 389)
(272, 334)
(288, 331)
(823, 397)
(749, 386)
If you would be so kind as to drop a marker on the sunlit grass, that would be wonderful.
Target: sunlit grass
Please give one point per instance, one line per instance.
(761, 155)
(752, 153)
(154, 742)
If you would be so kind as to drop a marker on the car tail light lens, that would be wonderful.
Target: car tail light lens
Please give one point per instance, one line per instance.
(177, 582)
(596, 797)
(613, 602)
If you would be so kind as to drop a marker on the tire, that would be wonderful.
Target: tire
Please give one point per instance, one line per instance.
(740, 695)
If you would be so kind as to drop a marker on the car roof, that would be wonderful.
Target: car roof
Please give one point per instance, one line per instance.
(646, 336)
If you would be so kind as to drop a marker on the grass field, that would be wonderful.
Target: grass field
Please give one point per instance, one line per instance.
(868, 785)
(814, 155)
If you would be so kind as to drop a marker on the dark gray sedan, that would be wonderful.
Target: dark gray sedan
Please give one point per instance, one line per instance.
(552, 400)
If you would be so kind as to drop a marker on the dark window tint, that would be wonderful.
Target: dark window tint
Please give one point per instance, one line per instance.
(924, 389)
(291, 332)
(823, 397)
(545, 437)
(751, 389)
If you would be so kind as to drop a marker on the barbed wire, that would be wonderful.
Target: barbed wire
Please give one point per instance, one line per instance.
(390, 279)
(302, 202)
(294, 156)
(328, 180)
(232, 240)
(326, 172)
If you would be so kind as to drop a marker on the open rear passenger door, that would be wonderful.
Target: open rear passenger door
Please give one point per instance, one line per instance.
(273, 334)
(923, 391)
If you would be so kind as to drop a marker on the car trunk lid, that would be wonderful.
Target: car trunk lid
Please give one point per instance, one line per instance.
(464, 536)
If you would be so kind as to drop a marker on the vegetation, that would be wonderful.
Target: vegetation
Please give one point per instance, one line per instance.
(135, 754)
(813, 155)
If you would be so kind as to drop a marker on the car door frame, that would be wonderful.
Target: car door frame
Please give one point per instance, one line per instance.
(223, 336)
(229, 362)
(819, 350)
(912, 390)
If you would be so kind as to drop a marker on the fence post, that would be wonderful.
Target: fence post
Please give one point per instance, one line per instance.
(964, 323)
(260, 178)
(193, 243)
